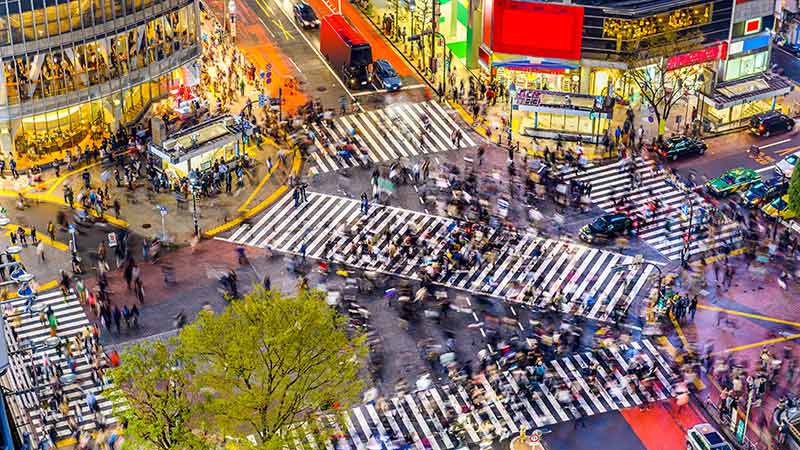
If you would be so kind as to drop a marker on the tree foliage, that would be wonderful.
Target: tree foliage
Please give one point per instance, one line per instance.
(155, 394)
(270, 367)
(794, 191)
(660, 87)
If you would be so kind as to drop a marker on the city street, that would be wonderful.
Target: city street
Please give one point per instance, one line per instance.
(489, 288)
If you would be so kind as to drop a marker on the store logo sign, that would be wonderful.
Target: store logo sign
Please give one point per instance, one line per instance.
(752, 26)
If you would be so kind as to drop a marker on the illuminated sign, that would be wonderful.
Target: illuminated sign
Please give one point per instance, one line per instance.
(625, 29)
(752, 26)
(745, 45)
(718, 51)
(541, 30)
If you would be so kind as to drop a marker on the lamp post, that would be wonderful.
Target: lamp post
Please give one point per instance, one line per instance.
(193, 189)
(444, 61)
(512, 94)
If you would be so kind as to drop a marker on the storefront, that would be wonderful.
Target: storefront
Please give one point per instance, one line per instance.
(542, 76)
(554, 115)
(37, 136)
(732, 103)
(196, 148)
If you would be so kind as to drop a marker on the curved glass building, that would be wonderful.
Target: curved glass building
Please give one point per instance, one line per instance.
(76, 70)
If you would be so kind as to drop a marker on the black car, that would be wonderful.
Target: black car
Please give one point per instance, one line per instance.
(764, 192)
(677, 146)
(607, 227)
(305, 15)
(770, 122)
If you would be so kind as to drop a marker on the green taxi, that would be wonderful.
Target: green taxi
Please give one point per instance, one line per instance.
(732, 181)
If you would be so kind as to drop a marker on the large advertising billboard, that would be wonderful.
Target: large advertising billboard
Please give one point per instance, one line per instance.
(543, 30)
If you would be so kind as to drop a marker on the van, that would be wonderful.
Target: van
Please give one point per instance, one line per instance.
(770, 122)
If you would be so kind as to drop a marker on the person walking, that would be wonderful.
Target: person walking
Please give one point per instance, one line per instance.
(296, 197)
(693, 307)
(13, 166)
(364, 203)
(40, 251)
(51, 231)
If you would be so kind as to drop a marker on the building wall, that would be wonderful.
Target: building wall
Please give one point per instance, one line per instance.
(70, 68)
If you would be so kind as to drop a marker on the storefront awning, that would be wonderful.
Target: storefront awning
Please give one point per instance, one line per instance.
(750, 89)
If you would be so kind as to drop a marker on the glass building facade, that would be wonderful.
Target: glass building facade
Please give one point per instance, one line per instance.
(74, 71)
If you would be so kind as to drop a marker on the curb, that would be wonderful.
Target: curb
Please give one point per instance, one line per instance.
(10, 228)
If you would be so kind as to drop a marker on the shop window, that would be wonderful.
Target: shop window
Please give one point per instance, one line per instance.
(746, 65)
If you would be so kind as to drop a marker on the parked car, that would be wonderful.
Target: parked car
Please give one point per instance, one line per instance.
(779, 208)
(305, 15)
(384, 76)
(765, 191)
(786, 166)
(770, 122)
(678, 146)
(732, 181)
(606, 227)
(704, 437)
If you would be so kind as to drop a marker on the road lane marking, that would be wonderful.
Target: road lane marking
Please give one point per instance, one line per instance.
(786, 151)
(775, 143)
(749, 315)
(764, 169)
(760, 344)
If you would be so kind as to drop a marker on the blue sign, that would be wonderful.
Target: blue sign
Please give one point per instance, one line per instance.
(71, 227)
(260, 100)
(755, 42)
(262, 74)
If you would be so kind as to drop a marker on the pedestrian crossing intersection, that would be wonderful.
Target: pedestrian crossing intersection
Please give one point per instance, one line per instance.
(31, 346)
(612, 182)
(331, 227)
(387, 135)
(453, 415)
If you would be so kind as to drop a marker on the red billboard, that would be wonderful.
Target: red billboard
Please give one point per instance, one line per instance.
(543, 30)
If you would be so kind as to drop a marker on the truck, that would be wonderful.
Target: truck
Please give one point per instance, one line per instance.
(346, 50)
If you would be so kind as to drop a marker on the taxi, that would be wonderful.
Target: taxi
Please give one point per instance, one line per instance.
(734, 180)
(779, 208)
(704, 437)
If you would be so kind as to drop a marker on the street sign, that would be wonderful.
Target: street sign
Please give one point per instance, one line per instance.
(112, 240)
(269, 66)
(261, 100)
(71, 228)
(740, 431)
(162, 210)
(262, 74)
(269, 80)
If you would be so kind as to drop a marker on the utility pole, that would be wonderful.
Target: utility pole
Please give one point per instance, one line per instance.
(433, 35)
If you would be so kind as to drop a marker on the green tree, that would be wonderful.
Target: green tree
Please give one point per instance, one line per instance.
(154, 392)
(662, 87)
(273, 362)
(794, 191)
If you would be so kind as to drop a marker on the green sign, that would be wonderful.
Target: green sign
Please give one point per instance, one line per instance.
(740, 431)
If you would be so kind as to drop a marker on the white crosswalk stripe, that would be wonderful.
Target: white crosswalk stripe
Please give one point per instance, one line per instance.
(23, 376)
(509, 402)
(609, 184)
(320, 225)
(386, 135)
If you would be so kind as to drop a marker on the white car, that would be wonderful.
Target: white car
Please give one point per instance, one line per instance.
(786, 166)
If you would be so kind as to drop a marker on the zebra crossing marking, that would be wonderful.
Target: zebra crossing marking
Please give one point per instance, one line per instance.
(386, 134)
(323, 228)
(609, 183)
(72, 321)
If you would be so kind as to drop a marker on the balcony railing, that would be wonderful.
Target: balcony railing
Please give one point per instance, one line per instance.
(132, 78)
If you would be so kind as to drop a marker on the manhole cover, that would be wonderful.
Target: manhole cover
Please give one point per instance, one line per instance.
(322, 88)
(146, 225)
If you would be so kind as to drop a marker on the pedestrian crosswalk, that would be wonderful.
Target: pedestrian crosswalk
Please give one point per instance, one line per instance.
(453, 415)
(33, 354)
(611, 183)
(332, 227)
(387, 134)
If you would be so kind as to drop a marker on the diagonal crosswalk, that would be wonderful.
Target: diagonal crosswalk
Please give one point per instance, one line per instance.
(31, 389)
(324, 226)
(451, 415)
(386, 134)
(609, 184)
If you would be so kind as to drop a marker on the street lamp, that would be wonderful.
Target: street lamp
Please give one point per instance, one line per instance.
(512, 94)
(193, 186)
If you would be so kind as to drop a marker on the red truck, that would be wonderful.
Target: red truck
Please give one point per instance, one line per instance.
(346, 50)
